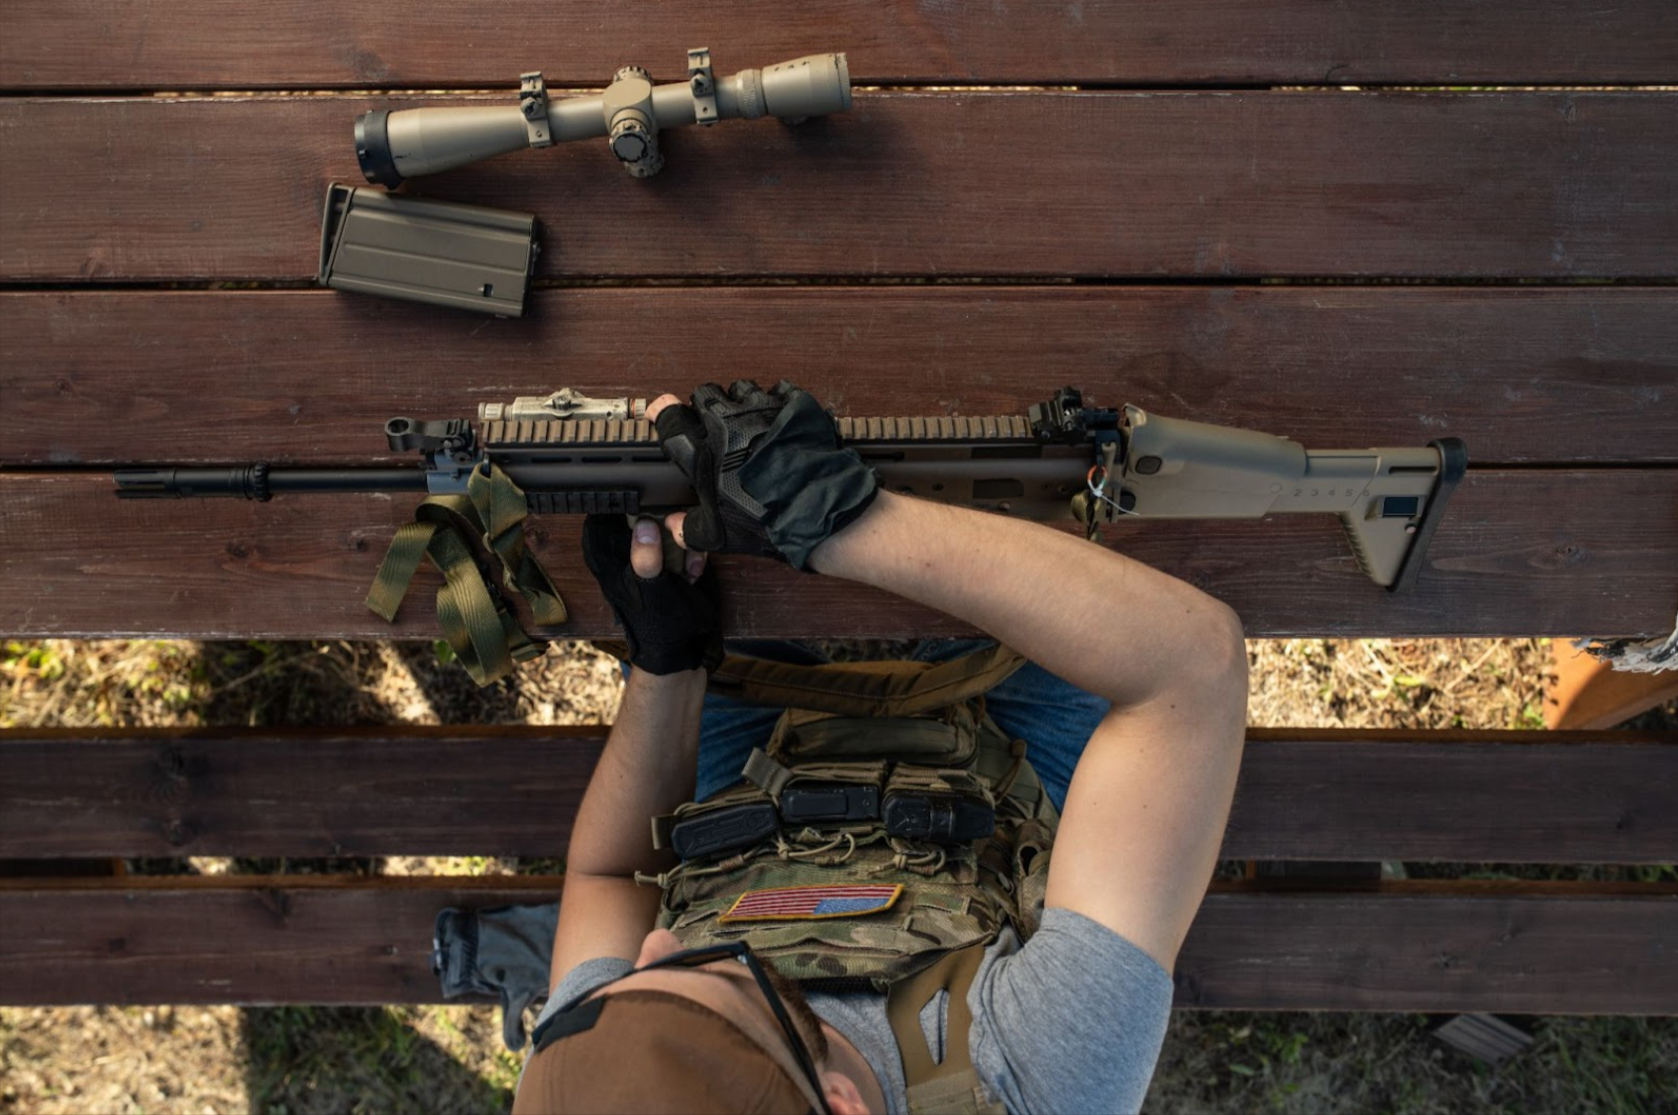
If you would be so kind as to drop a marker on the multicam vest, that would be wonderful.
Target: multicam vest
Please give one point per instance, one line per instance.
(848, 904)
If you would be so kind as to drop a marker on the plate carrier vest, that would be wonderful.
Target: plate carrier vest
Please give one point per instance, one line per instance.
(909, 728)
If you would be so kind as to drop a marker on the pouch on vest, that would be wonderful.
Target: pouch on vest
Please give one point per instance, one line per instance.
(831, 794)
(948, 739)
(731, 821)
(940, 805)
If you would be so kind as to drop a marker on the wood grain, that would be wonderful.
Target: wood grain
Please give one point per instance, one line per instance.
(1432, 951)
(1135, 185)
(285, 939)
(1520, 552)
(1529, 374)
(242, 44)
(1467, 947)
(1475, 797)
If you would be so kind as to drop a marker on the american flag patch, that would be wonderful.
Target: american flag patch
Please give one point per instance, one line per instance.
(804, 903)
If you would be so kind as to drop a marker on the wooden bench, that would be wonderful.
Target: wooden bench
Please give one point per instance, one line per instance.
(1173, 205)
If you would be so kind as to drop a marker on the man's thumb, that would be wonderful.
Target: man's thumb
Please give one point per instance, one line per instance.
(646, 553)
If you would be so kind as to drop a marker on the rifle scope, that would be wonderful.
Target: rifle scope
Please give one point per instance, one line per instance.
(393, 146)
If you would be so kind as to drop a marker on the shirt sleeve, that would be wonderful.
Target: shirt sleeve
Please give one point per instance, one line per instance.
(1072, 1022)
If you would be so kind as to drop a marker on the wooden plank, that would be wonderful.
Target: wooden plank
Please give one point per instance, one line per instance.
(1507, 797)
(242, 44)
(934, 184)
(1520, 552)
(1479, 797)
(1577, 948)
(250, 940)
(1581, 374)
(1429, 950)
(1586, 692)
(414, 790)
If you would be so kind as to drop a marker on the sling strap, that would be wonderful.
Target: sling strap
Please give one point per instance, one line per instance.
(483, 633)
(952, 1085)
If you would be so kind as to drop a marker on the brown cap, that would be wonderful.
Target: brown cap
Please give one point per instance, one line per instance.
(650, 1051)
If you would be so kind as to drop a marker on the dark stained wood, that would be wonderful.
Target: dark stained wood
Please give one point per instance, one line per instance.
(282, 939)
(1504, 797)
(513, 790)
(1583, 374)
(1021, 185)
(1520, 552)
(1513, 950)
(1467, 947)
(414, 790)
(242, 44)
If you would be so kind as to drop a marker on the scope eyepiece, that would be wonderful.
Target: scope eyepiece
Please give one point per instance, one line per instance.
(372, 149)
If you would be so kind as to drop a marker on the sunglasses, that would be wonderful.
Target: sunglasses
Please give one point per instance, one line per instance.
(580, 1013)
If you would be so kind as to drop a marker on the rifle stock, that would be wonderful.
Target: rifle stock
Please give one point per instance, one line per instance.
(1389, 500)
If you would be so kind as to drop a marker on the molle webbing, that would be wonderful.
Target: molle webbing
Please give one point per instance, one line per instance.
(866, 688)
(500, 435)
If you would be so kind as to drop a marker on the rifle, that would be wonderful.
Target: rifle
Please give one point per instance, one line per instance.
(567, 453)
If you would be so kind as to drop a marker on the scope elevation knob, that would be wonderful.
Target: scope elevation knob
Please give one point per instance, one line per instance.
(631, 129)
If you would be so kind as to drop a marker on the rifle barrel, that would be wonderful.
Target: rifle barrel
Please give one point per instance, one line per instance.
(258, 482)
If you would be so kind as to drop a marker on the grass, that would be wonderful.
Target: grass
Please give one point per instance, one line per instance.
(1234, 1062)
(323, 1061)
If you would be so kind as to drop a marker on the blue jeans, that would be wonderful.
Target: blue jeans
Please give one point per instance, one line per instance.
(1052, 715)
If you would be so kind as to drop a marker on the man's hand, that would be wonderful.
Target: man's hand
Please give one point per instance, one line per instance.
(671, 622)
(770, 473)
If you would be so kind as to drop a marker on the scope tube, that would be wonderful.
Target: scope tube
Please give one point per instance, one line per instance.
(392, 146)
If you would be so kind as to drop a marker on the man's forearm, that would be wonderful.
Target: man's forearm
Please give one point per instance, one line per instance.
(647, 768)
(1102, 621)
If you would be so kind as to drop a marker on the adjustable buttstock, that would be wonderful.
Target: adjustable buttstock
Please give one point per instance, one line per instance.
(1389, 499)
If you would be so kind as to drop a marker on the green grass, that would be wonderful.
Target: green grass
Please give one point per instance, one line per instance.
(307, 1060)
(1285, 1063)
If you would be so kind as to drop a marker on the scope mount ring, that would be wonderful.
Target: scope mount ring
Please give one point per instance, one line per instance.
(703, 86)
(533, 106)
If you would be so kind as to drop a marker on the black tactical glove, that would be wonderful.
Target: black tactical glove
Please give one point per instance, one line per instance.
(771, 475)
(670, 625)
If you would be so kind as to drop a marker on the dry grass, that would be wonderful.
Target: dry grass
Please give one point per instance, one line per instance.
(288, 1061)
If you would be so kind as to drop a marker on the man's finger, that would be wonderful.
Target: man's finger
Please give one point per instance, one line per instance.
(657, 406)
(673, 523)
(646, 553)
(702, 530)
